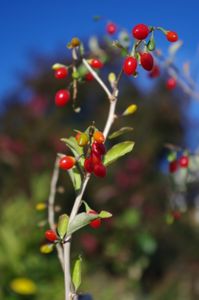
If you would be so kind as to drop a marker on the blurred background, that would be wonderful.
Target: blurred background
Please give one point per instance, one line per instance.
(149, 249)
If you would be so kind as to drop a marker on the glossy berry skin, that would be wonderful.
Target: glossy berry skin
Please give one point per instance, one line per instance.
(111, 28)
(98, 148)
(155, 72)
(88, 165)
(172, 36)
(184, 161)
(99, 170)
(62, 97)
(96, 64)
(66, 162)
(89, 77)
(140, 31)
(99, 137)
(82, 139)
(95, 223)
(173, 166)
(130, 65)
(146, 60)
(171, 84)
(51, 235)
(61, 73)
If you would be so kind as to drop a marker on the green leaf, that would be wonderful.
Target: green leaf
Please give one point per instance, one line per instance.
(76, 178)
(75, 148)
(80, 221)
(118, 151)
(119, 132)
(77, 272)
(87, 207)
(105, 214)
(62, 225)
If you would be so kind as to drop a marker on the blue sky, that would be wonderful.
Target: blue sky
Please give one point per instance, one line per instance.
(44, 25)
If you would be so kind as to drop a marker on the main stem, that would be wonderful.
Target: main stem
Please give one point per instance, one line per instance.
(67, 277)
(70, 294)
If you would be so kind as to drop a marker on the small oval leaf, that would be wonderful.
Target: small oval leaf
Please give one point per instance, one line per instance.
(62, 225)
(118, 151)
(77, 273)
(119, 132)
(80, 221)
(105, 214)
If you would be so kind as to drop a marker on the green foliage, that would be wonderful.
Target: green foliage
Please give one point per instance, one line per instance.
(119, 132)
(77, 273)
(117, 151)
(80, 221)
(62, 225)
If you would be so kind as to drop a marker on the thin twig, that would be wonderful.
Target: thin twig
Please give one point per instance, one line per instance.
(98, 79)
(51, 214)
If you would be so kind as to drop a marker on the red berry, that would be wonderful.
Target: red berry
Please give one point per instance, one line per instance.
(95, 223)
(99, 170)
(62, 97)
(173, 166)
(140, 31)
(89, 77)
(96, 63)
(99, 137)
(88, 165)
(61, 73)
(130, 65)
(111, 28)
(98, 148)
(176, 215)
(155, 72)
(171, 84)
(146, 60)
(96, 158)
(184, 161)
(51, 235)
(66, 162)
(172, 36)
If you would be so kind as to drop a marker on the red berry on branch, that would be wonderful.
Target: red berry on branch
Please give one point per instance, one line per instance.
(140, 31)
(99, 137)
(95, 223)
(96, 158)
(89, 77)
(62, 97)
(111, 28)
(88, 165)
(155, 72)
(173, 166)
(61, 73)
(66, 162)
(130, 65)
(172, 36)
(51, 235)
(184, 161)
(146, 60)
(99, 170)
(98, 148)
(96, 63)
(171, 83)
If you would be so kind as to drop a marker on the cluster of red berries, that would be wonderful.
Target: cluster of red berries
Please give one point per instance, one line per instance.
(93, 163)
(62, 96)
(141, 32)
(182, 162)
